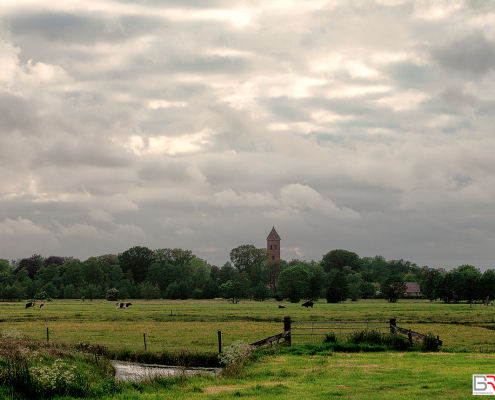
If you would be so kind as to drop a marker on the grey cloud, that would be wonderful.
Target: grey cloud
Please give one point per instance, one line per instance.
(67, 153)
(458, 97)
(86, 28)
(16, 114)
(474, 54)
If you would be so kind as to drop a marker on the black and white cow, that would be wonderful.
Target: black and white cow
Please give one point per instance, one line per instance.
(308, 304)
(30, 305)
(122, 305)
(42, 305)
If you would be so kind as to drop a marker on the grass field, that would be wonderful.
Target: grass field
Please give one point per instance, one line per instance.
(193, 324)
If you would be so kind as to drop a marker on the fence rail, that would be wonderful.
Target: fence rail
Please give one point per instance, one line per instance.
(335, 327)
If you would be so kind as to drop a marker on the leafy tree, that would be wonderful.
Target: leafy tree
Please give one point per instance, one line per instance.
(260, 292)
(487, 284)
(177, 257)
(71, 272)
(137, 260)
(211, 289)
(31, 265)
(149, 291)
(367, 290)
(430, 279)
(468, 282)
(238, 288)
(172, 291)
(115, 275)
(90, 292)
(4, 265)
(273, 269)
(338, 289)
(227, 273)
(41, 295)
(50, 290)
(92, 271)
(249, 259)
(54, 260)
(338, 259)
(293, 283)
(393, 288)
(70, 292)
(12, 292)
(215, 272)
(197, 294)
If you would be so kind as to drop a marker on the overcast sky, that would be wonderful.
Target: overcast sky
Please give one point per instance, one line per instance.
(360, 125)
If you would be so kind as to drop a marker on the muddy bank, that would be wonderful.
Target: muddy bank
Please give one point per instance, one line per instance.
(126, 371)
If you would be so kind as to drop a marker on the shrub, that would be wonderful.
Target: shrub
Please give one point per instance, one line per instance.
(370, 336)
(330, 338)
(430, 343)
(57, 378)
(112, 295)
(12, 334)
(235, 353)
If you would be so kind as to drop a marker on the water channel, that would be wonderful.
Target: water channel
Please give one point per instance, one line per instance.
(126, 371)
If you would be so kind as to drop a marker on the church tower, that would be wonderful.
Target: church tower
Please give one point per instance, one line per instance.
(273, 245)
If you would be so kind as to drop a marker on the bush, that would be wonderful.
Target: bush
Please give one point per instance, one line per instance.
(430, 343)
(112, 295)
(330, 338)
(366, 336)
(235, 353)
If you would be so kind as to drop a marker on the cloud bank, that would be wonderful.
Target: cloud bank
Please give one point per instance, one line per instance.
(362, 125)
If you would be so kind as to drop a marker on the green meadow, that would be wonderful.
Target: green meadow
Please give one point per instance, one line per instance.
(467, 332)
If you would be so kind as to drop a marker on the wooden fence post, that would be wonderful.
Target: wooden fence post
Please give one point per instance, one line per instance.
(287, 327)
(409, 334)
(219, 342)
(393, 323)
(144, 337)
(47, 336)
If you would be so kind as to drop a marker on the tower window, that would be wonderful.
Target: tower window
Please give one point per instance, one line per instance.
(271, 247)
(273, 258)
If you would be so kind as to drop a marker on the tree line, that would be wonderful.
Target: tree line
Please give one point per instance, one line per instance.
(177, 274)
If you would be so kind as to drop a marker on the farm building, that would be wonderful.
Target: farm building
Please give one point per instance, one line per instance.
(413, 289)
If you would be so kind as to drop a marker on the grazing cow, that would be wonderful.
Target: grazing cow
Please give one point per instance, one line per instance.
(42, 305)
(308, 304)
(123, 305)
(30, 305)
(281, 306)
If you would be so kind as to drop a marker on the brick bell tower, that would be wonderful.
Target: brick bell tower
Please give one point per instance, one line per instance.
(273, 245)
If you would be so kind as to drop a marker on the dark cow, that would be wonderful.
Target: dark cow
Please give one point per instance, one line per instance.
(123, 305)
(281, 306)
(308, 304)
(30, 305)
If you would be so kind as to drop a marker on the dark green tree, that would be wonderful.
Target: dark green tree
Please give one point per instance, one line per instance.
(338, 259)
(294, 283)
(393, 288)
(260, 292)
(338, 289)
(251, 260)
(487, 285)
(137, 260)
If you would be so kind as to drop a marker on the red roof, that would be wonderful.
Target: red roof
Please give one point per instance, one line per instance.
(273, 234)
(413, 287)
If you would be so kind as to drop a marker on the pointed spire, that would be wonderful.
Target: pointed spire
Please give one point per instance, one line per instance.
(273, 234)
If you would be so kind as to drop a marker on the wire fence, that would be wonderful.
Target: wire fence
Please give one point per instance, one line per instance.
(304, 332)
